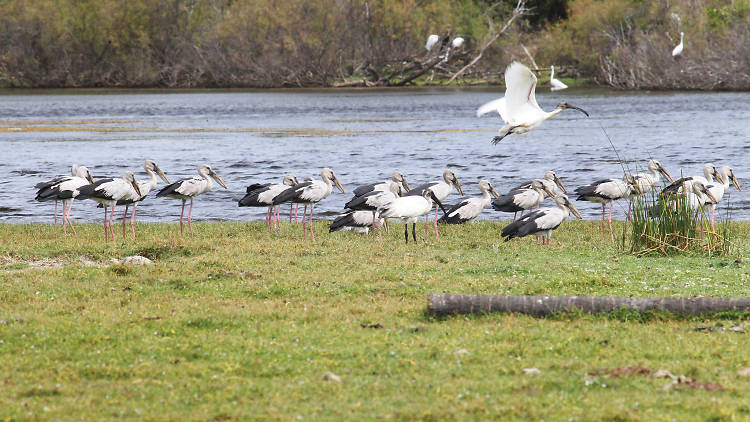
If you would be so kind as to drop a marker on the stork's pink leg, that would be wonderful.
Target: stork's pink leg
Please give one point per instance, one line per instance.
(268, 218)
(132, 220)
(434, 223)
(190, 217)
(514, 215)
(182, 212)
(66, 216)
(55, 215)
(387, 228)
(611, 236)
(304, 215)
(112, 223)
(312, 233)
(278, 217)
(296, 211)
(291, 208)
(106, 229)
(124, 220)
(604, 211)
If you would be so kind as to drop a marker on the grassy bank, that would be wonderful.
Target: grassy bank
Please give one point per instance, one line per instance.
(235, 323)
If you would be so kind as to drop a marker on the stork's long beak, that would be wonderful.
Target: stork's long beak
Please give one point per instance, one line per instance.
(406, 185)
(560, 183)
(735, 182)
(549, 192)
(218, 179)
(665, 173)
(162, 175)
(494, 192)
(710, 195)
(437, 201)
(458, 186)
(579, 109)
(574, 210)
(89, 178)
(136, 187)
(338, 185)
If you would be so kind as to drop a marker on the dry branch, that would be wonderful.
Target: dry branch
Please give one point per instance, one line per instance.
(445, 304)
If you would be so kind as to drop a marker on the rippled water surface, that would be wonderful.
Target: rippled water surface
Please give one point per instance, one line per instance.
(259, 136)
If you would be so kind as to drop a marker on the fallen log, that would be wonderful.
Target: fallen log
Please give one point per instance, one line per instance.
(446, 304)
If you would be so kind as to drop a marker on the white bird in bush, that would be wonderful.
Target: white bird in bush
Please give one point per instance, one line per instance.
(519, 109)
(457, 42)
(431, 41)
(556, 85)
(678, 49)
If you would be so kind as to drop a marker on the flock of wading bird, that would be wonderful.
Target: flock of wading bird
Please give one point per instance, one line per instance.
(373, 204)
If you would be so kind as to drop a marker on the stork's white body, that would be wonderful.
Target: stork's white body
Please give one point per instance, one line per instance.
(541, 222)
(64, 189)
(188, 189)
(686, 183)
(605, 191)
(469, 208)
(725, 176)
(310, 193)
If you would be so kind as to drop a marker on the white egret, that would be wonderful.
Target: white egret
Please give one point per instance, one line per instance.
(431, 41)
(457, 42)
(678, 49)
(556, 85)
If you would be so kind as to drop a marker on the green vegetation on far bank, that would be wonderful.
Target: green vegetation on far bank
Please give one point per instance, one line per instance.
(239, 324)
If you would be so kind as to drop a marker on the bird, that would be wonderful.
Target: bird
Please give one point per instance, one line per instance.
(556, 84)
(542, 222)
(606, 191)
(396, 178)
(431, 41)
(356, 221)
(371, 201)
(145, 187)
(263, 195)
(519, 109)
(523, 199)
(441, 188)
(65, 189)
(717, 190)
(645, 182)
(678, 49)
(310, 193)
(550, 180)
(107, 192)
(409, 208)
(470, 208)
(709, 171)
(457, 42)
(189, 188)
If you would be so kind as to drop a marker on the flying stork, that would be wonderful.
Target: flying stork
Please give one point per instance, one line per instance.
(189, 188)
(541, 222)
(470, 208)
(64, 188)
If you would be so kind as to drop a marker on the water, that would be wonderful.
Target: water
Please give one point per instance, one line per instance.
(364, 135)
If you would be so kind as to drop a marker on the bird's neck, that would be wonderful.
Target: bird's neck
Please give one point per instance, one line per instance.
(554, 112)
(152, 181)
(724, 179)
(552, 75)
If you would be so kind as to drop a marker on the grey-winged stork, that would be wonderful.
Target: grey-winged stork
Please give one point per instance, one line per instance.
(371, 201)
(397, 178)
(607, 191)
(519, 109)
(541, 222)
(310, 193)
(263, 195)
(469, 208)
(523, 199)
(65, 189)
(725, 175)
(145, 186)
(409, 208)
(441, 188)
(107, 192)
(709, 171)
(646, 181)
(356, 221)
(189, 188)
(550, 180)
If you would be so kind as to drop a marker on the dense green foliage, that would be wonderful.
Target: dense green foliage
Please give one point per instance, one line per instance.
(237, 324)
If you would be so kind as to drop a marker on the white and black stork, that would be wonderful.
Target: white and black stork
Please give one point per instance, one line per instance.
(523, 199)
(607, 191)
(107, 192)
(65, 189)
(469, 208)
(441, 189)
(145, 187)
(189, 188)
(541, 222)
(264, 194)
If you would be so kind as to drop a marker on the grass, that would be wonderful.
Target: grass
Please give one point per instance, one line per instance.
(237, 324)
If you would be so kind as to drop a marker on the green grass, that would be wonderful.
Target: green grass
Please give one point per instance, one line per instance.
(237, 324)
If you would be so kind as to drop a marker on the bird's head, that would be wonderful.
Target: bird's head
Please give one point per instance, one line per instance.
(655, 165)
(486, 186)
(84, 172)
(552, 177)
(700, 189)
(395, 189)
(399, 178)
(206, 169)
(563, 105)
(130, 178)
(328, 174)
(429, 195)
(290, 180)
(563, 201)
(730, 174)
(450, 178)
(150, 166)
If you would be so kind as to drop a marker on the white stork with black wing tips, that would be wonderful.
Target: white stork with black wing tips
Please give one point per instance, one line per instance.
(310, 193)
(541, 222)
(441, 188)
(145, 187)
(523, 199)
(607, 191)
(397, 178)
(717, 190)
(263, 195)
(709, 171)
(188, 189)
(550, 180)
(409, 208)
(519, 108)
(644, 182)
(64, 188)
(371, 201)
(470, 208)
(107, 192)
(356, 221)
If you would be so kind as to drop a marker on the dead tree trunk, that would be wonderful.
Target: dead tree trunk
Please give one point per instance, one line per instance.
(445, 304)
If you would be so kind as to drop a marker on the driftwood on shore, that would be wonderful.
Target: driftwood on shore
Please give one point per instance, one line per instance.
(445, 304)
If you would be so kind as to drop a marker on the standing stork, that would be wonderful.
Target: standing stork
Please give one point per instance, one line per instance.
(371, 201)
(409, 208)
(310, 193)
(65, 189)
(145, 186)
(522, 199)
(397, 178)
(470, 208)
(607, 191)
(724, 176)
(189, 188)
(107, 192)
(356, 221)
(709, 171)
(263, 195)
(542, 222)
(441, 189)
(645, 182)
(519, 109)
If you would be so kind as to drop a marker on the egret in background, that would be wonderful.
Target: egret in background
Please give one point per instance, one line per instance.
(188, 189)
(65, 189)
(678, 49)
(470, 208)
(542, 222)
(107, 192)
(556, 85)
(519, 109)
(431, 41)
(457, 42)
